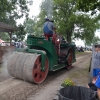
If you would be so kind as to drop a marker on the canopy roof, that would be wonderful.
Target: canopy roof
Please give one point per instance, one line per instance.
(6, 28)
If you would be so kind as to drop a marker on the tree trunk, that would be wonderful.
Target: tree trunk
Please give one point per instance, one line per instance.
(68, 37)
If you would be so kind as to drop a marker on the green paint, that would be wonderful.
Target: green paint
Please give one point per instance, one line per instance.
(47, 48)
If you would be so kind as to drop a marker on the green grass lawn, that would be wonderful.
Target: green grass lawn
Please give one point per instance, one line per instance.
(77, 52)
(81, 53)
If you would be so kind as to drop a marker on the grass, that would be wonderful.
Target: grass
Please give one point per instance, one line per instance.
(80, 76)
(77, 52)
(80, 72)
(81, 53)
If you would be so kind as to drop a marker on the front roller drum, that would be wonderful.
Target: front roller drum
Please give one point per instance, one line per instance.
(27, 66)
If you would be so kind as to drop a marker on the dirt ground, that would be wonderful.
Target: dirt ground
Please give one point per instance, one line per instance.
(79, 74)
(13, 89)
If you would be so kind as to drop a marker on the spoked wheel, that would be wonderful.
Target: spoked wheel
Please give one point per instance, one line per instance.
(39, 75)
(70, 58)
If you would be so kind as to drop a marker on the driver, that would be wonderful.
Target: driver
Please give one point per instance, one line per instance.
(48, 28)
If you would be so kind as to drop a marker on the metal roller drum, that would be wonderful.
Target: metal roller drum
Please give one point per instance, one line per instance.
(27, 66)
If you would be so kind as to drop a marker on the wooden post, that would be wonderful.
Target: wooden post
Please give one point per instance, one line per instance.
(10, 34)
(92, 63)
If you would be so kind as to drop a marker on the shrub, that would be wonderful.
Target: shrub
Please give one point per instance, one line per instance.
(68, 82)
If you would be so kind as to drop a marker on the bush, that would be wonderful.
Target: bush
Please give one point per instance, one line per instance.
(68, 82)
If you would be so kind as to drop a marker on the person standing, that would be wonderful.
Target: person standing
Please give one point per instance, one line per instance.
(96, 61)
(48, 28)
(20, 44)
(96, 68)
(97, 82)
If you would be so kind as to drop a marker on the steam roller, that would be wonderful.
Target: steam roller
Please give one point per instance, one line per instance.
(40, 57)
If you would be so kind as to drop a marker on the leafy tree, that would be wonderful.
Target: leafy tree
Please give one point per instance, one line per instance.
(94, 40)
(29, 26)
(39, 21)
(68, 18)
(87, 5)
(20, 33)
(86, 27)
(4, 36)
(11, 10)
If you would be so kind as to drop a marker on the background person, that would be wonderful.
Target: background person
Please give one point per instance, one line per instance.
(97, 82)
(96, 60)
(96, 68)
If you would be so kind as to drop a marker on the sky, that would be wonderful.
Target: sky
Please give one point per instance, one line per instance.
(34, 11)
(35, 8)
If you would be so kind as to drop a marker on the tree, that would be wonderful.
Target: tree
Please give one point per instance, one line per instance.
(29, 26)
(4, 36)
(94, 40)
(11, 10)
(86, 27)
(88, 5)
(20, 33)
(39, 21)
(68, 18)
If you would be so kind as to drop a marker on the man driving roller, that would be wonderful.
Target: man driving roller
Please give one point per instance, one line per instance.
(48, 28)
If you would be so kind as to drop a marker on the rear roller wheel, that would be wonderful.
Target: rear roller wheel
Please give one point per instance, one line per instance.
(70, 58)
(39, 75)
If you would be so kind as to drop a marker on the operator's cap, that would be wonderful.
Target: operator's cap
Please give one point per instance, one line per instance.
(46, 19)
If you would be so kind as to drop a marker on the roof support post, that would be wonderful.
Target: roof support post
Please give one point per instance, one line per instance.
(10, 34)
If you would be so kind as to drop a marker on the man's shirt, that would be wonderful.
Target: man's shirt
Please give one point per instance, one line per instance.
(48, 27)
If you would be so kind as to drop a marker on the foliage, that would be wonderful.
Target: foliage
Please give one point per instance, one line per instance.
(20, 33)
(64, 15)
(11, 10)
(87, 5)
(4, 36)
(94, 40)
(68, 19)
(29, 26)
(86, 27)
(68, 82)
(38, 28)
